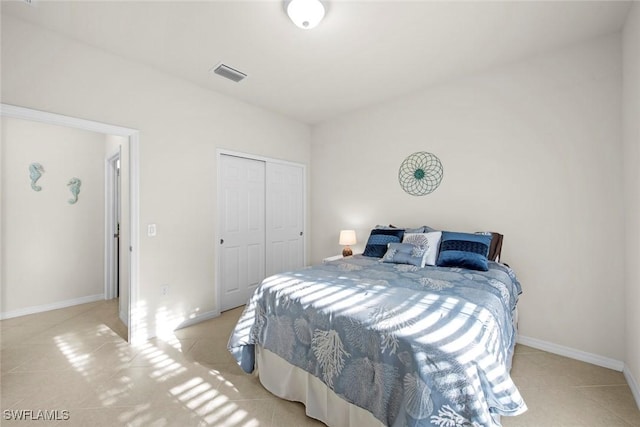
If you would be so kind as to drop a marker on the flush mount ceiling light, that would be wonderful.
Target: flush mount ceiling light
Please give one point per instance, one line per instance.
(306, 14)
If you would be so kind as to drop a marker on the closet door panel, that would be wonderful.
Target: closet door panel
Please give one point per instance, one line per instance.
(285, 218)
(242, 231)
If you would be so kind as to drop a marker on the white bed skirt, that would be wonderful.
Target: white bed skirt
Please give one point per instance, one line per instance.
(292, 383)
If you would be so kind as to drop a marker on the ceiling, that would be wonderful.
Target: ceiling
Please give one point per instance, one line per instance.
(362, 53)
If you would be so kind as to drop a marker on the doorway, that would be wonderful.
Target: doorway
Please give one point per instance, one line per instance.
(130, 219)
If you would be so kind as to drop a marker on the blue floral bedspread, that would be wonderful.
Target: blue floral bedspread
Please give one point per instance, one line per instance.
(414, 346)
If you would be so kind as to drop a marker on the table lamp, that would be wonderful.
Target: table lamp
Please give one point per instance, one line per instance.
(347, 237)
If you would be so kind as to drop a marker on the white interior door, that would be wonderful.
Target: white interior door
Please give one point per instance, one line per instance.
(118, 208)
(112, 206)
(242, 229)
(285, 218)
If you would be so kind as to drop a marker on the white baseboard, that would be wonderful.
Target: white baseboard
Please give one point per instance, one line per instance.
(572, 353)
(633, 384)
(52, 306)
(199, 318)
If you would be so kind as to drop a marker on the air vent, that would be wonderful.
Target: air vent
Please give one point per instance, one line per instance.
(30, 2)
(229, 73)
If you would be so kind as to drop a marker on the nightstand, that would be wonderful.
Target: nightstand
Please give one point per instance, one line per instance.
(332, 258)
(338, 257)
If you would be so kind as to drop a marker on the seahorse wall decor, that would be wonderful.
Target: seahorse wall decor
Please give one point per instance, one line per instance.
(35, 173)
(74, 186)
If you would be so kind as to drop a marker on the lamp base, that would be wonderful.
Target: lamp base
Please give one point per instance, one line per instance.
(347, 251)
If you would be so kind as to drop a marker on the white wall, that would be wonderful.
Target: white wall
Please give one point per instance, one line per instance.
(631, 129)
(181, 126)
(532, 150)
(52, 251)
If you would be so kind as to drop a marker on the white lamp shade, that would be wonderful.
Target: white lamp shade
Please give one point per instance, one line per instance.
(305, 14)
(347, 237)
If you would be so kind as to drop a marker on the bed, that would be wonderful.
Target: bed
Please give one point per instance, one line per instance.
(393, 337)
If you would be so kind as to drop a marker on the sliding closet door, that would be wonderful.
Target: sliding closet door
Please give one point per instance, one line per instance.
(261, 224)
(285, 217)
(242, 228)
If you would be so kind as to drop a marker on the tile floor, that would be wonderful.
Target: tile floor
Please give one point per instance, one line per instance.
(76, 360)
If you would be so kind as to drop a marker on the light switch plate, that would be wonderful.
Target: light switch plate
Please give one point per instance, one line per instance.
(151, 230)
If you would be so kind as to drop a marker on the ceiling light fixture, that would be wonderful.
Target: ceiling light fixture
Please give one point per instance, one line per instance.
(306, 14)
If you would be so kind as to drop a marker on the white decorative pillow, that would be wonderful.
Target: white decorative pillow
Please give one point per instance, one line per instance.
(430, 241)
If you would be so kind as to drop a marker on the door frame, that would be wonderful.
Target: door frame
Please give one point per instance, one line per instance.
(136, 334)
(224, 152)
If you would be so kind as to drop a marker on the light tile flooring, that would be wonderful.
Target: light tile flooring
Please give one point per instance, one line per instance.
(76, 360)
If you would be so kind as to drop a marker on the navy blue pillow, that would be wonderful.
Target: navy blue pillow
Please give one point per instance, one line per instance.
(464, 250)
(379, 239)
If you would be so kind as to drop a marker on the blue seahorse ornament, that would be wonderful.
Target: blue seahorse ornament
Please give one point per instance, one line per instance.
(74, 186)
(35, 172)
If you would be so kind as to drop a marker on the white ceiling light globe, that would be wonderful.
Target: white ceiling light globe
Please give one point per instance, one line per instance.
(306, 14)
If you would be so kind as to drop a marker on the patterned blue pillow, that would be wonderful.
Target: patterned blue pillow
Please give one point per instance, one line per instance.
(464, 250)
(406, 253)
(379, 239)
